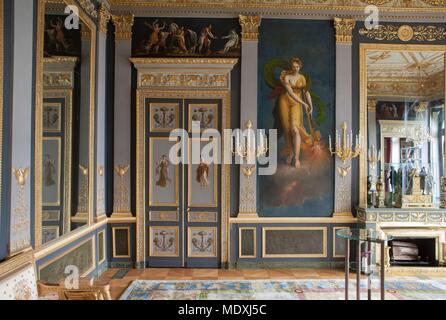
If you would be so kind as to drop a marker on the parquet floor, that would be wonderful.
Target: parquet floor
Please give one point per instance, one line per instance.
(117, 286)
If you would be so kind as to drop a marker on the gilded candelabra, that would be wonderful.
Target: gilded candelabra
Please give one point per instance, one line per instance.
(248, 151)
(344, 148)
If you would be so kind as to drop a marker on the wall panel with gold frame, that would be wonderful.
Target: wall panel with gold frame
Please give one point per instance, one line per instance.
(65, 73)
(410, 74)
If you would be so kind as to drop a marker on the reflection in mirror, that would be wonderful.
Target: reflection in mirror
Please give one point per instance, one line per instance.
(65, 124)
(405, 122)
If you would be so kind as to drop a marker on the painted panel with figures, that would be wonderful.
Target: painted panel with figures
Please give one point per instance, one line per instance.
(186, 37)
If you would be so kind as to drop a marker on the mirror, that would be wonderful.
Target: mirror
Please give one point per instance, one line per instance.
(404, 93)
(64, 124)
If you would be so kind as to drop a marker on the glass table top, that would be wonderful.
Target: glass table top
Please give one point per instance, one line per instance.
(363, 235)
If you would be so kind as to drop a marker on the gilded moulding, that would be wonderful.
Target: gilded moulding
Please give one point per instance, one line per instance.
(144, 62)
(20, 238)
(290, 7)
(404, 33)
(364, 94)
(250, 27)
(344, 28)
(123, 27)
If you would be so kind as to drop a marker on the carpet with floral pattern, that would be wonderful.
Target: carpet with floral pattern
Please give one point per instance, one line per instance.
(401, 288)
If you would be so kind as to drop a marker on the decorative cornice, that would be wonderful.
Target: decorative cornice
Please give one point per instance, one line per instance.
(404, 33)
(344, 28)
(89, 7)
(250, 27)
(104, 18)
(123, 27)
(292, 7)
(175, 61)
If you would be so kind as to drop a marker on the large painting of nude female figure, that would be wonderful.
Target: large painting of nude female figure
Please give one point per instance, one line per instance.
(296, 94)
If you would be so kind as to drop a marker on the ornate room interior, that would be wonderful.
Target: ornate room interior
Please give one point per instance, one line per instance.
(347, 99)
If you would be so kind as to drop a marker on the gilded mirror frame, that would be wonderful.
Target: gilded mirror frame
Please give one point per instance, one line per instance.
(363, 48)
(39, 113)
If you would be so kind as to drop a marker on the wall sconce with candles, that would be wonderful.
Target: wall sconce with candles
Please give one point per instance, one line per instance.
(249, 150)
(344, 148)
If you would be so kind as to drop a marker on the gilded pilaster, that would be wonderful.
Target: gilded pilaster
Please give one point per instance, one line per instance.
(123, 27)
(344, 108)
(250, 27)
(344, 29)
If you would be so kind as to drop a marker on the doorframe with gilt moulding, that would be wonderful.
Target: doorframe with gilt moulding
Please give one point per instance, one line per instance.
(188, 66)
(363, 97)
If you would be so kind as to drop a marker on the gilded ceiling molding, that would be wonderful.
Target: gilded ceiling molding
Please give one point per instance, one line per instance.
(123, 27)
(250, 27)
(376, 2)
(435, 3)
(104, 18)
(344, 29)
(404, 33)
(286, 7)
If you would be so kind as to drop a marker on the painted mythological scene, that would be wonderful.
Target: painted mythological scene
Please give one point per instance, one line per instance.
(296, 96)
(58, 40)
(177, 37)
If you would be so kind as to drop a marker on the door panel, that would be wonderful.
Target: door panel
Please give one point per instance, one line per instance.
(183, 201)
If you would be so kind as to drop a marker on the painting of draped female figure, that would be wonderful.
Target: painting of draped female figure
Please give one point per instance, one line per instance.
(296, 94)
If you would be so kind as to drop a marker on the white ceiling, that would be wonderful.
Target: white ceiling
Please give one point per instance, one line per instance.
(407, 64)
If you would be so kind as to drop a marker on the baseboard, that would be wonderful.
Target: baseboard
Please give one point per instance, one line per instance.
(124, 265)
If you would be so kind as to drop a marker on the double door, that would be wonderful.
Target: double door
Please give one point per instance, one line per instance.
(183, 207)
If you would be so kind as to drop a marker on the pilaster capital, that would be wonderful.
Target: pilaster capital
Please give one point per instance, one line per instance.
(250, 27)
(344, 29)
(104, 18)
(123, 27)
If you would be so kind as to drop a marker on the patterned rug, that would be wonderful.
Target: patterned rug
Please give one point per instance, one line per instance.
(402, 288)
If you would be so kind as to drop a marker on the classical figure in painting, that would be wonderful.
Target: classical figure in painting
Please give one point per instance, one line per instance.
(232, 43)
(48, 171)
(162, 171)
(205, 40)
(293, 105)
(155, 36)
(203, 174)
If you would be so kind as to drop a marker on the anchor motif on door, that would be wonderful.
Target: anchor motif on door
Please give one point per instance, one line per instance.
(164, 241)
(202, 241)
